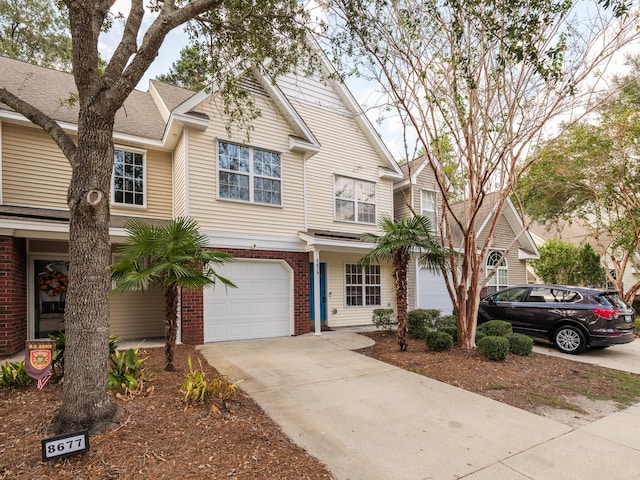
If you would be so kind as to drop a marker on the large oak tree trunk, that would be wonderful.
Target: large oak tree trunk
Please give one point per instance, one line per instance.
(86, 401)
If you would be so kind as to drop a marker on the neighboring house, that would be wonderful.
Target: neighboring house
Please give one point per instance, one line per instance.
(511, 247)
(577, 233)
(289, 202)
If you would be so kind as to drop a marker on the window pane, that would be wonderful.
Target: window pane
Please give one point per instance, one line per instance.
(345, 188)
(266, 191)
(366, 192)
(345, 210)
(366, 213)
(234, 186)
(128, 178)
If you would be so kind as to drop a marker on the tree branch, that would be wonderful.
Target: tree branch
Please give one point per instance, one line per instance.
(62, 139)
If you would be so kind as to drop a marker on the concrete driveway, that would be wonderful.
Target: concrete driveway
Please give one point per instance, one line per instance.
(372, 421)
(620, 357)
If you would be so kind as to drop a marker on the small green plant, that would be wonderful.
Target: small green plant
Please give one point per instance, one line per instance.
(497, 328)
(383, 318)
(127, 372)
(197, 388)
(519, 344)
(420, 321)
(438, 341)
(13, 374)
(494, 348)
(479, 336)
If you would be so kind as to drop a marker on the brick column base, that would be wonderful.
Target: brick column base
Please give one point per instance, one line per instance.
(13, 295)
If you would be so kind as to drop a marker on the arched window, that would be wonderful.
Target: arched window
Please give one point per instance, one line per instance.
(500, 279)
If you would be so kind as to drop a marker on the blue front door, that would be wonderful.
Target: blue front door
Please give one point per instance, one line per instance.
(323, 292)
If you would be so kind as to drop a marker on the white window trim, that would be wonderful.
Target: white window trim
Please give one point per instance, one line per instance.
(355, 200)
(493, 280)
(144, 179)
(434, 224)
(250, 174)
(362, 285)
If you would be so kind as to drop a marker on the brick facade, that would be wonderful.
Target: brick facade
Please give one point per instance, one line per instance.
(192, 316)
(13, 295)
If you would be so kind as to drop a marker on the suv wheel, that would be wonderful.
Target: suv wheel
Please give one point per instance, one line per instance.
(570, 339)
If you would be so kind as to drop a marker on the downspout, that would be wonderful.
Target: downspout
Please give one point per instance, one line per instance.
(185, 133)
(316, 291)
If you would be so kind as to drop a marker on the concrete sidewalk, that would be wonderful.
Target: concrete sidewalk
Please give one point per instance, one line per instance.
(367, 420)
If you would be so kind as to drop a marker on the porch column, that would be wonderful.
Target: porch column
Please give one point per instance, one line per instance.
(316, 292)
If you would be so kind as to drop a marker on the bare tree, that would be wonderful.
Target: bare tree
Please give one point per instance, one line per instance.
(484, 78)
(243, 32)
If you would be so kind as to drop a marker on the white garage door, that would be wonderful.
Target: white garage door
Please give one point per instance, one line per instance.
(260, 307)
(432, 292)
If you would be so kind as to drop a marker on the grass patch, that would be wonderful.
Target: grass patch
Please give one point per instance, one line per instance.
(496, 386)
(621, 387)
(545, 400)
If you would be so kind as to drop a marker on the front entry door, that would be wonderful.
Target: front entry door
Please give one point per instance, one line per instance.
(323, 293)
(51, 279)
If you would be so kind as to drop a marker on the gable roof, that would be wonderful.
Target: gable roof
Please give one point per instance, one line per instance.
(50, 91)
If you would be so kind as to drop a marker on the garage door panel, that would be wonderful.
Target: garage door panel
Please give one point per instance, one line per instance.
(260, 307)
(432, 292)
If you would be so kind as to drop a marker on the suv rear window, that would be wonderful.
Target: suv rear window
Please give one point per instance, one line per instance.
(553, 295)
(613, 299)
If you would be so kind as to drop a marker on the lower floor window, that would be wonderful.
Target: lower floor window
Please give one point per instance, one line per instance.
(362, 285)
(500, 279)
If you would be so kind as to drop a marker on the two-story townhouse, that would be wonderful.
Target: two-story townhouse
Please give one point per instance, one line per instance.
(289, 201)
(511, 246)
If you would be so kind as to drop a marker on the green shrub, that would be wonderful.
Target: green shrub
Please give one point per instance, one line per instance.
(438, 341)
(127, 372)
(494, 348)
(519, 344)
(419, 321)
(637, 326)
(13, 374)
(383, 318)
(498, 328)
(451, 330)
(445, 321)
(479, 336)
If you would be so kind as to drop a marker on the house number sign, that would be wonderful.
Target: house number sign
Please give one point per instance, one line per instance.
(65, 445)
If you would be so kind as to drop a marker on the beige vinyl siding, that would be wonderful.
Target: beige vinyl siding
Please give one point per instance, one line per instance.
(352, 316)
(27, 153)
(271, 132)
(502, 238)
(158, 188)
(412, 275)
(311, 90)
(137, 314)
(345, 151)
(179, 178)
(400, 207)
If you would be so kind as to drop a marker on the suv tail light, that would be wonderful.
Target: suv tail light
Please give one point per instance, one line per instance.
(607, 313)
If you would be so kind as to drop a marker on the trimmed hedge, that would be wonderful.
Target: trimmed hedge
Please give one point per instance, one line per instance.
(519, 344)
(445, 321)
(494, 347)
(383, 318)
(451, 330)
(479, 336)
(497, 328)
(419, 321)
(438, 341)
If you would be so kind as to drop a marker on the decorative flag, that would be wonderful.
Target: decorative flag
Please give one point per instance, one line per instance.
(38, 358)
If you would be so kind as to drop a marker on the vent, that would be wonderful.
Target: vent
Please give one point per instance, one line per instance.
(251, 84)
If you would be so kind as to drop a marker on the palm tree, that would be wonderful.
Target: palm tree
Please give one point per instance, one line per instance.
(172, 256)
(396, 244)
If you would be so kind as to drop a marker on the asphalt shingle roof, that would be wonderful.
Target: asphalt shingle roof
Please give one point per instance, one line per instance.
(50, 90)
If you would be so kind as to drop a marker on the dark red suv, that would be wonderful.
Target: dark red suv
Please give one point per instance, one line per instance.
(573, 318)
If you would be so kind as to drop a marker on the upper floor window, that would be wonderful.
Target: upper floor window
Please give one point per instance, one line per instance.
(363, 285)
(428, 206)
(128, 178)
(355, 200)
(500, 278)
(249, 174)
